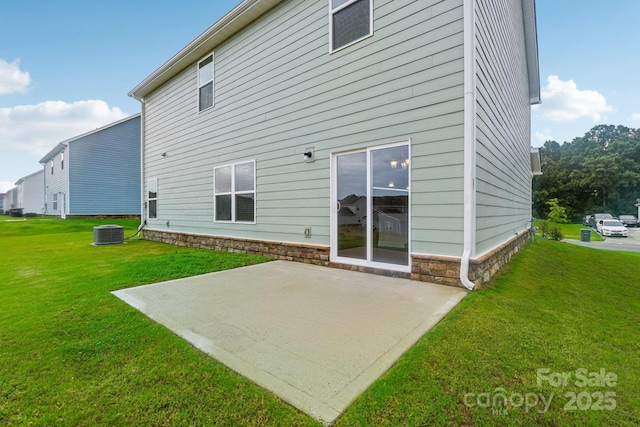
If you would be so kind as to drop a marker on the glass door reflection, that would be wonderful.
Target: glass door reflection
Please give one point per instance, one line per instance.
(390, 196)
(372, 212)
(352, 205)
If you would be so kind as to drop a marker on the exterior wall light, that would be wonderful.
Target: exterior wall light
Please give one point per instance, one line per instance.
(308, 154)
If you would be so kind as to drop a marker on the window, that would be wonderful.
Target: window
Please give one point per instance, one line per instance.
(55, 201)
(61, 160)
(152, 199)
(205, 83)
(52, 167)
(234, 192)
(351, 21)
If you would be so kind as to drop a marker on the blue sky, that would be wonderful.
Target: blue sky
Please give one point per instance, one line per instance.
(66, 67)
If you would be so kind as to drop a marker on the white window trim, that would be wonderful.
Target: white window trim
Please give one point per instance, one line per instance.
(213, 81)
(333, 239)
(332, 11)
(233, 192)
(149, 199)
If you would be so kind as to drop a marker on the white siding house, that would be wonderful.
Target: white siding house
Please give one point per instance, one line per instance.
(30, 192)
(96, 173)
(377, 135)
(11, 200)
(2, 197)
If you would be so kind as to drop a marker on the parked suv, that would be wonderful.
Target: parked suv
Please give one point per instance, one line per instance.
(629, 220)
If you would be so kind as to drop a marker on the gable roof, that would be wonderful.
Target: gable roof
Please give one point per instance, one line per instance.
(239, 17)
(249, 10)
(62, 145)
(24, 178)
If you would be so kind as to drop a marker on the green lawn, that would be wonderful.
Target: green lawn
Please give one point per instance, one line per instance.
(572, 231)
(73, 354)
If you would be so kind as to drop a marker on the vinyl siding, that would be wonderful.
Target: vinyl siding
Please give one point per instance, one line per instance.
(503, 124)
(31, 193)
(104, 171)
(55, 183)
(278, 91)
(11, 199)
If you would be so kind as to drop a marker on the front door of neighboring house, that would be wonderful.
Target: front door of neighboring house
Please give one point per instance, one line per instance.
(370, 214)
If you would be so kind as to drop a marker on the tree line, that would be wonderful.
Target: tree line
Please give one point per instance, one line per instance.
(599, 172)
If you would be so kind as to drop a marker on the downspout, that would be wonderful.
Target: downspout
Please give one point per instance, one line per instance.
(143, 220)
(469, 142)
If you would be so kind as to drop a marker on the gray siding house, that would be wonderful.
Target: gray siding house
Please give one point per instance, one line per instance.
(96, 173)
(2, 197)
(376, 135)
(31, 193)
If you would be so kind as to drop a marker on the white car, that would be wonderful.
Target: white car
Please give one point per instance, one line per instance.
(612, 227)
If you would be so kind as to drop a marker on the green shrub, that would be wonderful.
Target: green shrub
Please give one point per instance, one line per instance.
(543, 226)
(555, 233)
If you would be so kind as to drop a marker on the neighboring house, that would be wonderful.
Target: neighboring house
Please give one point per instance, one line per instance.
(11, 200)
(416, 112)
(31, 193)
(96, 173)
(2, 196)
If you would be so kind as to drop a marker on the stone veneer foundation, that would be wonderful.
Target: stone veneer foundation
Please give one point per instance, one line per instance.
(433, 269)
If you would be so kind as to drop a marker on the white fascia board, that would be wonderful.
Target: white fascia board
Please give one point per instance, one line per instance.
(531, 46)
(241, 16)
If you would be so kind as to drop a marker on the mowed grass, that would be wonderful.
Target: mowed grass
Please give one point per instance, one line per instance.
(572, 231)
(73, 354)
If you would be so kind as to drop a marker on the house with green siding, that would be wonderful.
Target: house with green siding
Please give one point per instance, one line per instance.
(383, 136)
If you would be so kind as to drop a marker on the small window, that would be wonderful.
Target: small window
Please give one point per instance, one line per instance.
(152, 199)
(351, 21)
(55, 201)
(61, 160)
(234, 192)
(205, 83)
(51, 167)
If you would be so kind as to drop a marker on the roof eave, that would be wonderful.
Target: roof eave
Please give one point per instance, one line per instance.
(54, 151)
(238, 18)
(531, 46)
(62, 145)
(536, 161)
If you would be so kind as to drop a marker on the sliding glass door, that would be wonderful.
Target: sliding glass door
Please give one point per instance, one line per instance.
(371, 210)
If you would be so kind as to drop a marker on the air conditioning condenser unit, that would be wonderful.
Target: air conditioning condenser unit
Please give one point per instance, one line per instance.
(108, 235)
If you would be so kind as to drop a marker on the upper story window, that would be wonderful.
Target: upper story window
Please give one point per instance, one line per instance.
(51, 166)
(61, 160)
(205, 83)
(351, 21)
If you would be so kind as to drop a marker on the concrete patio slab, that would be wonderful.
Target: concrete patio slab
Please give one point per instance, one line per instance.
(315, 336)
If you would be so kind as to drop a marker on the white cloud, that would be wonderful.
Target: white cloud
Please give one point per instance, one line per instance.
(12, 79)
(562, 101)
(543, 136)
(635, 117)
(6, 186)
(38, 128)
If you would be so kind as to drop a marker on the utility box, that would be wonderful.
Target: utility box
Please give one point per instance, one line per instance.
(585, 235)
(108, 235)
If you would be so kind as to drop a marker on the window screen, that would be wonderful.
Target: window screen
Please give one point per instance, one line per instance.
(205, 83)
(351, 21)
